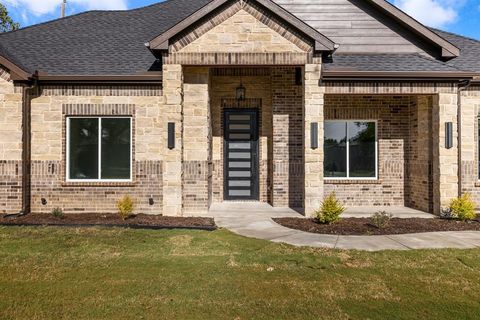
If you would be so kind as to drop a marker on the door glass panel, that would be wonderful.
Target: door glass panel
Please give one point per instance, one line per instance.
(239, 127)
(239, 145)
(335, 149)
(361, 137)
(239, 183)
(240, 165)
(239, 155)
(239, 117)
(240, 174)
(244, 193)
(240, 136)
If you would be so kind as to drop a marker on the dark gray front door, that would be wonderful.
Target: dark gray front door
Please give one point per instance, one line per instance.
(241, 154)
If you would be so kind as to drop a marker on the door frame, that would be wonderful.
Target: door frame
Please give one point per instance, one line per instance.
(255, 196)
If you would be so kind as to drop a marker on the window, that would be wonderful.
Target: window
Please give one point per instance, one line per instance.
(350, 150)
(99, 149)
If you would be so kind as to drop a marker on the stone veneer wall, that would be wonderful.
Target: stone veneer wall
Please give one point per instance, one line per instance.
(470, 142)
(49, 112)
(403, 154)
(196, 141)
(10, 144)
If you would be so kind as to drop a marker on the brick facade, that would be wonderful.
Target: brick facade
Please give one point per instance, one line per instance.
(404, 148)
(49, 113)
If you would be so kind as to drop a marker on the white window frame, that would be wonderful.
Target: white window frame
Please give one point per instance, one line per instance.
(100, 118)
(348, 152)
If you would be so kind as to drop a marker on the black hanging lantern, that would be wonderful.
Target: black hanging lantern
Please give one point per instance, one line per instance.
(241, 92)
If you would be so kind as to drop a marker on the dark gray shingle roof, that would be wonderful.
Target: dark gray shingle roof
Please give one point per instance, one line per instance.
(469, 59)
(112, 43)
(386, 62)
(95, 42)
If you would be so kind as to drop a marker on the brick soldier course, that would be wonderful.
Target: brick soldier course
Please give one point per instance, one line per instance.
(294, 75)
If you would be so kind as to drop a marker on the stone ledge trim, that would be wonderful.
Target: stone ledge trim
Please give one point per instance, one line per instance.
(234, 58)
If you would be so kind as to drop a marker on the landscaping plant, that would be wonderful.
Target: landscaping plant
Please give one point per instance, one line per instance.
(125, 207)
(330, 210)
(381, 219)
(58, 213)
(463, 208)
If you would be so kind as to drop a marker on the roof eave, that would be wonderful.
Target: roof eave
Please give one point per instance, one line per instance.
(396, 75)
(17, 73)
(150, 77)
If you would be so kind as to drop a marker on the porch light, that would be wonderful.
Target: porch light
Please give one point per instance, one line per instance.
(449, 135)
(241, 92)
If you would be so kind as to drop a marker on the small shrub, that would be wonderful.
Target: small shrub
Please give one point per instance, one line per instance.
(58, 213)
(125, 207)
(381, 219)
(330, 210)
(463, 208)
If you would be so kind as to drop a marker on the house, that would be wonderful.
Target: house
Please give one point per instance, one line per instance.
(186, 103)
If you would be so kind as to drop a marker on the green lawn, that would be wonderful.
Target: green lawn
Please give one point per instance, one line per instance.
(55, 273)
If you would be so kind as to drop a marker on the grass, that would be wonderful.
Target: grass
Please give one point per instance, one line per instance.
(56, 273)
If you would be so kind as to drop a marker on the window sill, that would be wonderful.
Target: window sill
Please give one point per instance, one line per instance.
(100, 184)
(351, 181)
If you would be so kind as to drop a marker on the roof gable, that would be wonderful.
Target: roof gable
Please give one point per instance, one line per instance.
(166, 39)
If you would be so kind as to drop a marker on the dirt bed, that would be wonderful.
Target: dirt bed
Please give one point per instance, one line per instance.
(363, 226)
(89, 219)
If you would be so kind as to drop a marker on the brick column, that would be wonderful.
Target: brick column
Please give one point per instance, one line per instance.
(445, 161)
(196, 141)
(314, 98)
(172, 163)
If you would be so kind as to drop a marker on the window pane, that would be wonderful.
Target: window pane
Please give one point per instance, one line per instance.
(116, 148)
(335, 149)
(83, 148)
(361, 137)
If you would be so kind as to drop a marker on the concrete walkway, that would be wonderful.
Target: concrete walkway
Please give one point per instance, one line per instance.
(255, 220)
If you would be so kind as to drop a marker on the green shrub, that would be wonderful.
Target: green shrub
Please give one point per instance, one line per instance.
(57, 213)
(330, 210)
(125, 207)
(381, 219)
(463, 208)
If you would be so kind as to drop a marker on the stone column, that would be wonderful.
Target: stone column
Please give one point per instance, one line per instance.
(172, 163)
(196, 141)
(445, 161)
(313, 112)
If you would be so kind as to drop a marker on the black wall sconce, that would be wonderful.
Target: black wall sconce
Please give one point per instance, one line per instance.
(171, 135)
(44, 201)
(449, 135)
(151, 201)
(298, 76)
(314, 135)
(240, 92)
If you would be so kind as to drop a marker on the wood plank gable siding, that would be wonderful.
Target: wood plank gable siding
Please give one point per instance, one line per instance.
(354, 25)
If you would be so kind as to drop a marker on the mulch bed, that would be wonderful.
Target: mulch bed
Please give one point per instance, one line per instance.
(141, 221)
(363, 226)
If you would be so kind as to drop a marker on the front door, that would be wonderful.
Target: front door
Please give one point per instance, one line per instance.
(241, 154)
